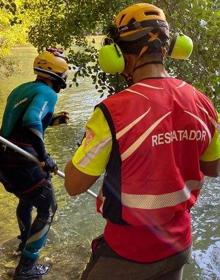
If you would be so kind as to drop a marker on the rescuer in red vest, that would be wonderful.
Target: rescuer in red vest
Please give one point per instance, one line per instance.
(154, 141)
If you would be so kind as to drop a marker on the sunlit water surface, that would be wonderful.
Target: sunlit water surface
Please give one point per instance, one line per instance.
(76, 221)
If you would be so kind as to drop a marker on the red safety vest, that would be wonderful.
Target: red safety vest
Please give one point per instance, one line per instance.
(160, 129)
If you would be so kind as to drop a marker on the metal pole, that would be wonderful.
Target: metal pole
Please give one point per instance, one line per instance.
(33, 158)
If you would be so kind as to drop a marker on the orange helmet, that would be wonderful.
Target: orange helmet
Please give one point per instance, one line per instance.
(141, 24)
(52, 64)
(135, 21)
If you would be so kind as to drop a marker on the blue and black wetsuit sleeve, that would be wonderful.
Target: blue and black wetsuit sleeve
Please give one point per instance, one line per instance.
(38, 116)
(38, 145)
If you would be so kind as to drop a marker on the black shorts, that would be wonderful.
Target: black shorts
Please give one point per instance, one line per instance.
(19, 174)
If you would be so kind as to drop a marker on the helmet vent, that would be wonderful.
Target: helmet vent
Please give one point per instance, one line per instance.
(121, 19)
(131, 21)
(151, 13)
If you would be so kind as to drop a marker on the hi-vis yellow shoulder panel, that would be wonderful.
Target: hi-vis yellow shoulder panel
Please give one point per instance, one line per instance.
(92, 156)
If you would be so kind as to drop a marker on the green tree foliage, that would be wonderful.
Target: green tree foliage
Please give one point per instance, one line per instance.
(14, 24)
(67, 23)
(200, 19)
(12, 31)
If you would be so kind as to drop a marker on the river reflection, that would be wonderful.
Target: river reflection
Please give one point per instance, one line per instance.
(76, 221)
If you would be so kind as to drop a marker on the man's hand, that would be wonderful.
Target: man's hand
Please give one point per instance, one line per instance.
(59, 118)
(50, 164)
(210, 168)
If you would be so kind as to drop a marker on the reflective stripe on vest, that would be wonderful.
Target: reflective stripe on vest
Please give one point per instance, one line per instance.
(149, 201)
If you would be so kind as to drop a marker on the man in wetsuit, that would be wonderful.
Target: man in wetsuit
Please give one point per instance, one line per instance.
(28, 113)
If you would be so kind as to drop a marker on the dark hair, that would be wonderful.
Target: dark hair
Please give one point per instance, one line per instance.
(154, 47)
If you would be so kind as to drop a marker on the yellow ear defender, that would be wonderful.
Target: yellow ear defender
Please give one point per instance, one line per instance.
(181, 47)
(111, 59)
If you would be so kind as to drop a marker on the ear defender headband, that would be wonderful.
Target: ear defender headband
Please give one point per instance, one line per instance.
(111, 59)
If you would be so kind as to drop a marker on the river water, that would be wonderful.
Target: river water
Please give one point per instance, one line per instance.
(76, 222)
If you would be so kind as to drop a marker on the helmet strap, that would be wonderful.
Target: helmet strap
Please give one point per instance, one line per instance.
(133, 60)
(131, 63)
(129, 76)
(149, 62)
(153, 61)
(143, 50)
